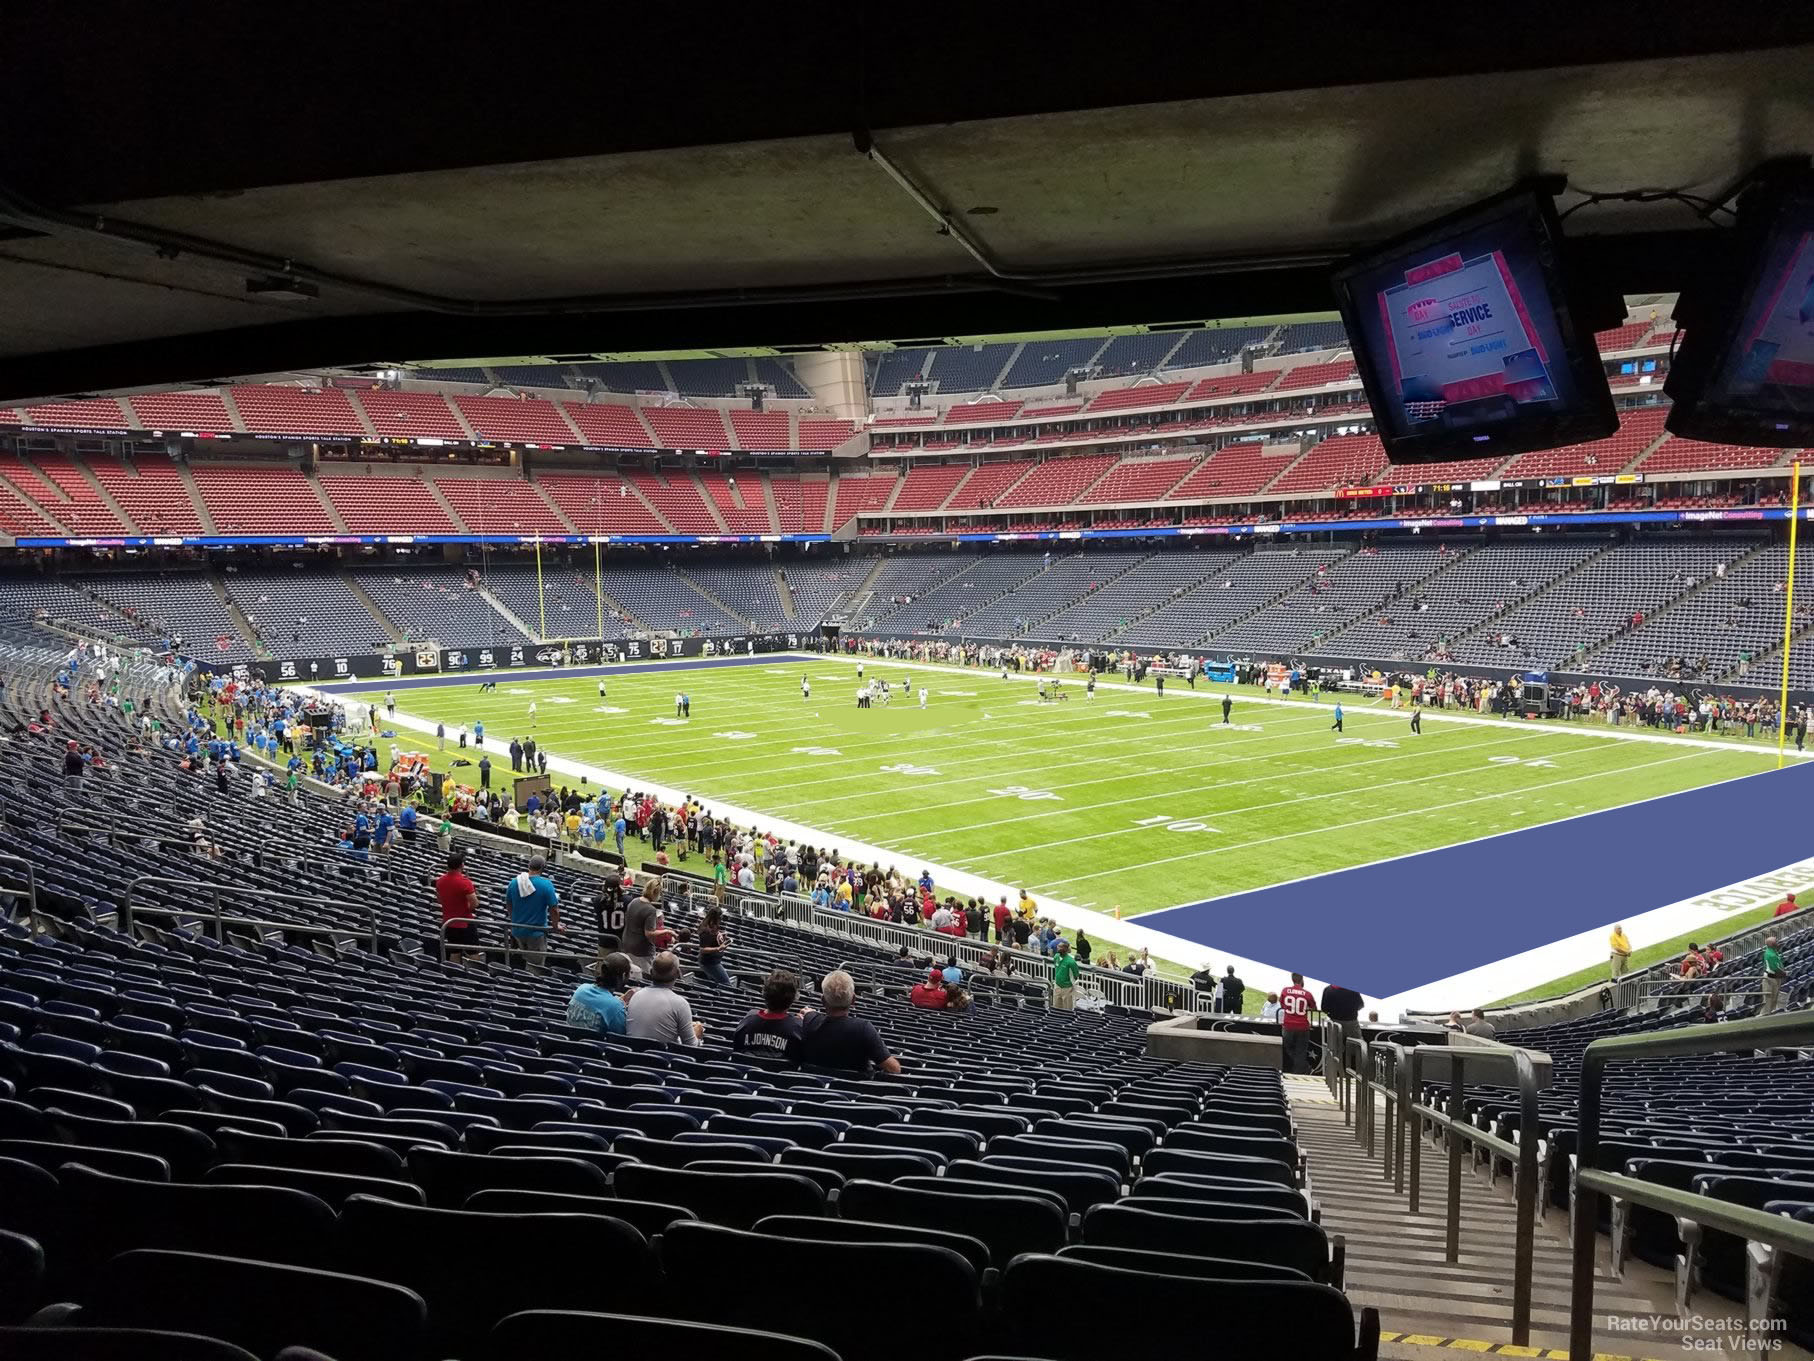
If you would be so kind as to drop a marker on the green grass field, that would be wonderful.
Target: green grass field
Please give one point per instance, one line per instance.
(1125, 801)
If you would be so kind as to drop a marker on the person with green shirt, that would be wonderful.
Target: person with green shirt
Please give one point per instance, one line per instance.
(1065, 969)
(720, 877)
(1773, 976)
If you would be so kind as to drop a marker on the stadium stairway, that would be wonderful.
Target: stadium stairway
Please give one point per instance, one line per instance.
(698, 589)
(786, 592)
(246, 632)
(1396, 1259)
(195, 495)
(1670, 606)
(491, 598)
(359, 593)
(447, 507)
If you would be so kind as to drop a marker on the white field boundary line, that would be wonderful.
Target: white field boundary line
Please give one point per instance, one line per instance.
(1365, 822)
(1290, 773)
(1100, 926)
(1434, 778)
(1515, 973)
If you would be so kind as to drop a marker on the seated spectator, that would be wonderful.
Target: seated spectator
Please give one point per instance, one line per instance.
(599, 1006)
(1269, 1009)
(1786, 906)
(956, 999)
(770, 1029)
(658, 1012)
(834, 1038)
(929, 991)
(1479, 1025)
(1693, 964)
(952, 973)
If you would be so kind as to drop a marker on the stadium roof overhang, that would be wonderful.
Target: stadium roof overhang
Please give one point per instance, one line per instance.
(490, 190)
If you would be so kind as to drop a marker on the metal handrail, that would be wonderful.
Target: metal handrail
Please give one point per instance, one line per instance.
(1523, 1154)
(31, 883)
(1777, 1232)
(222, 921)
(464, 948)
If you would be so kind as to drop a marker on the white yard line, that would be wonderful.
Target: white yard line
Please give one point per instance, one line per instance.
(1325, 829)
(1245, 809)
(1288, 774)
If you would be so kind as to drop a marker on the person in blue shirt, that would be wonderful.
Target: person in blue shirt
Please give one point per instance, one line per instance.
(534, 805)
(362, 831)
(1337, 725)
(406, 822)
(617, 830)
(599, 1006)
(535, 910)
(385, 825)
(478, 732)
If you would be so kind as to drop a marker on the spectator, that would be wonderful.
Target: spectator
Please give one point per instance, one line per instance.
(771, 1030)
(929, 991)
(1694, 963)
(713, 943)
(1773, 976)
(1621, 952)
(657, 1012)
(1479, 1026)
(1003, 917)
(535, 910)
(1204, 979)
(1234, 992)
(640, 918)
(1083, 947)
(599, 1006)
(459, 898)
(1343, 1006)
(1269, 1009)
(73, 766)
(834, 1038)
(951, 973)
(1295, 1006)
(1786, 906)
(1064, 977)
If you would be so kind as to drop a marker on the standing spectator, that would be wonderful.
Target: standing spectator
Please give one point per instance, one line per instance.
(1003, 918)
(1234, 991)
(1621, 951)
(535, 910)
(1478, 1025)
(484, 772)
(640, 919)
(657, 1012)
(1083, 947)
(770, 1029)
(1773, 976)
(1064, 977)
(1295, 1006)
(1343, 1005)
(833, 1038)
(1269, 1009)
(459, 898)
(713, 943)
(599, 1006)
(1786, 906)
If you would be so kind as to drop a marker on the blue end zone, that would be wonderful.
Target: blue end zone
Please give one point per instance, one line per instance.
(543, 673)
(1388, 927)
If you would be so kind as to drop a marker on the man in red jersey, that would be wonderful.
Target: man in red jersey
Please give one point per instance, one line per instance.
(459, 898)
(1295, 1006)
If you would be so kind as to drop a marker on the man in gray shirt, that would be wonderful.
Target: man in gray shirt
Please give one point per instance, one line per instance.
(1479, 1025)
(639, 919)
(657, 1012)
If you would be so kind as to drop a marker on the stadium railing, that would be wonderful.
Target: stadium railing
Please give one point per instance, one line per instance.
(30, 876)
(1148, 992)
(1767, 1235)
(1395, 1071)
(210, 890)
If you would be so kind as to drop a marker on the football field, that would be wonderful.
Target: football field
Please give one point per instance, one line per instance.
(1126, 801)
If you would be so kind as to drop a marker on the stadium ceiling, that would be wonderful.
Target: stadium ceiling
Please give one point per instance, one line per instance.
(196, 192)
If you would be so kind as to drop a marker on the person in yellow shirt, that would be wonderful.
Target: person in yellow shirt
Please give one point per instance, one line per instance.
(1621, 951)
(1027, 908)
